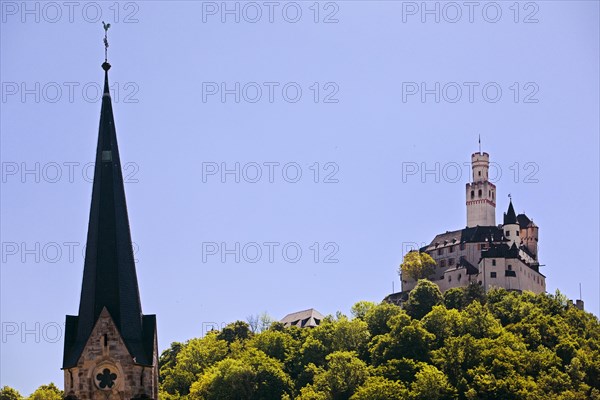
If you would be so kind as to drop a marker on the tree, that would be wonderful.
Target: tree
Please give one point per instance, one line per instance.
(454, 298)
(431, 384)
(360, 309)
(377, 318)
(168, 359)
(252, 376)
(443, 323)
(47, 392)
(422, 299)
(238, 330)
(309, 392)
(378, 388)
(406, 339)
(417, 265)
(344, 373)
(278, 345)
(474, 292)
(496, 346)
(191, 360)
(8, 393)
(259, 323)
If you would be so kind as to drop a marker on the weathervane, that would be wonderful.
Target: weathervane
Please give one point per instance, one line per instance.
(106, 26)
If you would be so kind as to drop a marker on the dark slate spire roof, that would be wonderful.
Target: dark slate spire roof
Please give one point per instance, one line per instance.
(109, 276)
(510, 217)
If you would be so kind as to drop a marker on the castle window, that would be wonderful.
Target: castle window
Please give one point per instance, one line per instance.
(451, 249)
(449, 278)
(507, 233)
(472, 194)
(489, 193)
(479, 173)
(451, 261)
(494, 262)
(440, 252)
(443, 264)
(479, 192)
(509, 267)
(492, 195)
(492, 274)
(459, 276)
(517, 233)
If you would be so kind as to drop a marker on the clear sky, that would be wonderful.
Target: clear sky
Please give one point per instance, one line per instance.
(376, 104)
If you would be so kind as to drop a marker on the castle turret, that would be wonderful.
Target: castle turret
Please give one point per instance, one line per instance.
(529, 234)
(481, 193)
(512, 230)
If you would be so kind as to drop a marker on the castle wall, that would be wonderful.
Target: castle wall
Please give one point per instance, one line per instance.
(525, 278)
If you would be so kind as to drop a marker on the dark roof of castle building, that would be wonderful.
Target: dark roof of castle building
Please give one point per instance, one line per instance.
(476, 234)
(501, 251)
(524, 221)
(109, 276)
(528, 252)
(471, 269)
(510, 217)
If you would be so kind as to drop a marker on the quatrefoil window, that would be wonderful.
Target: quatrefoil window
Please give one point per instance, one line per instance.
(106, 379)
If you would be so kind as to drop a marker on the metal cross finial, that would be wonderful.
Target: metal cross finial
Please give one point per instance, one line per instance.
(106, 26)
(510, 196)
(480, 143)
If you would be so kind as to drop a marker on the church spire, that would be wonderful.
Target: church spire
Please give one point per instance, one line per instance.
(109, 275)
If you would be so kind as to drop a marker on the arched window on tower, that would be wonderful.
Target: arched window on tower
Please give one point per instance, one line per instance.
(472, 194)
(480, 192)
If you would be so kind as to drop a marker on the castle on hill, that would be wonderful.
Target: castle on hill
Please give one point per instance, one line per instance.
(491, 255)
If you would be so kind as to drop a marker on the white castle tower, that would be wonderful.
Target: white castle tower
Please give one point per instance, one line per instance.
(511, 226)
(481, 193)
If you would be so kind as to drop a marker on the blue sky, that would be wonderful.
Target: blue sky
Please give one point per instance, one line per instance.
(353, 102)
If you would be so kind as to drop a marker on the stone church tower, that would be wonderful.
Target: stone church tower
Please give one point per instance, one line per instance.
(111, 350)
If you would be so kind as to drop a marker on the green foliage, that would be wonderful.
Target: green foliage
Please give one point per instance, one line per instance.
(377, 318)
(460, 297)
(379, 388)
(431, 384)
(251, 375)
(239, 330)
(343, 375)
(8, 393)
(360, 309)
(417, 265)
(465, 345)
(422, 298)
(454, 298)
(47, 392)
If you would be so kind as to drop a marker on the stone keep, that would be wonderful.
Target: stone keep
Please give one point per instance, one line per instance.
(481, 193)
